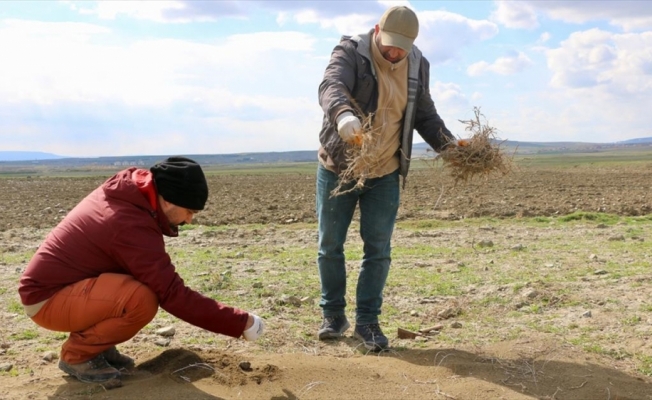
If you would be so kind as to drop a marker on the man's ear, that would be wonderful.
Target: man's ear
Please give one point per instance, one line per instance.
(376, 29)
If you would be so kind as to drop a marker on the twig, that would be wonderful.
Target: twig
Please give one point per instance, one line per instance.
(578, 387)
(442, 359)
(308, 388)
(197, 365)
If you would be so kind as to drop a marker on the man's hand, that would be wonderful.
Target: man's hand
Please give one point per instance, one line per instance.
(254, 328)
(348, 127)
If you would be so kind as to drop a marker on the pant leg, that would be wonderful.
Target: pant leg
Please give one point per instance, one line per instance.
(99, 313)
(334, 215)
(378, 208)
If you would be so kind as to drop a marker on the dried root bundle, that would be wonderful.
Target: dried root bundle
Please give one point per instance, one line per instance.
(479, 155)
(361, 159)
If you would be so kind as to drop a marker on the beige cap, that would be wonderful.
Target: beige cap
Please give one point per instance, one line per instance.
(399, 27)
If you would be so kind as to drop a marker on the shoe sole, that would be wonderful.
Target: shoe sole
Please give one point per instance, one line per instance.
(334, 335)
(375, 347)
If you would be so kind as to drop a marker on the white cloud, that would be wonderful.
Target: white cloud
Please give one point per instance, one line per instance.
(442, 34)
(626, 14)
(515, 14)
(629, 15)
(507, 65)
(141, 91)
(145, 72)
(185, 11)
(620, 64)
(544, 38)
(599, 92)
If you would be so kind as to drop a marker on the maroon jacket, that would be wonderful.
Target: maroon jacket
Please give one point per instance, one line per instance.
(117, 229)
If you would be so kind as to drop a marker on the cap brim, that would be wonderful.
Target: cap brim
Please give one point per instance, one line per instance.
(396, 40)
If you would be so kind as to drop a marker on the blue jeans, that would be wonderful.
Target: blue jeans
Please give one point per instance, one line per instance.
(379, 200)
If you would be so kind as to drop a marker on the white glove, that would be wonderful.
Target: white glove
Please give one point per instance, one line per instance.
(348, 126)
(256, 330)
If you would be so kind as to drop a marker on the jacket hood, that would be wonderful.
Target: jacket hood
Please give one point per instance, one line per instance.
(136, 186)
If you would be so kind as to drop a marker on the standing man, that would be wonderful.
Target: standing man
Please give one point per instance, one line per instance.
(382, 74)
(102, 273)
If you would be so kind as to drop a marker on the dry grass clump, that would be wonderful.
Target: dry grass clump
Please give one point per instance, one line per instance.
(361, 158)
(479, 155)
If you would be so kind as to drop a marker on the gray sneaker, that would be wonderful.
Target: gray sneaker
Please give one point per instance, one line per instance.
(372, 337)
(91, 371)
(333, 327)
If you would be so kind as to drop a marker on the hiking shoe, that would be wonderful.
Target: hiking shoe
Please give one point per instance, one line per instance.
(372, 337)
(117, 360)
(91, 371)
(333, 327)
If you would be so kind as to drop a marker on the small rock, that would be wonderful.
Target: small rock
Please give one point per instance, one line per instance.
(168, 331)
(456, 325)
(518, 247)
(600, 272)
(587, 314)
(6, 367)
(601, 226)
(531, 294)
(549, 265)
(414, 313)
(245, 366)
(617, 238)
(112, 384)
(163, 342)
(448, 313)
(49, 356)
(593, 257)
(289, 300)
(431, 329)
(485, 243)
(257, 285)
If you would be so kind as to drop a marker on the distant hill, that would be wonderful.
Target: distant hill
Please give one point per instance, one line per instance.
(27, 156)
(552, 147)
(15, 159)
(637, 141)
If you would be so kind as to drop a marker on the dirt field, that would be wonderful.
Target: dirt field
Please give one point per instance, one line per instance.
(289, 198)
(536, 364)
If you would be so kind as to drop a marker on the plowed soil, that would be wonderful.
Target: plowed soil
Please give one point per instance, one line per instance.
(289, 198)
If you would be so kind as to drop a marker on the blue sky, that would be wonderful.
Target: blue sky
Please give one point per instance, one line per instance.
(86, 79)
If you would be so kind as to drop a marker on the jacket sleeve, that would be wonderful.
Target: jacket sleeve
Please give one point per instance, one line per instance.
(339, 81)
(427, 122)
(142, 252)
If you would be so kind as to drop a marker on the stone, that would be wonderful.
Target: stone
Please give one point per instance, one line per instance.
(168, 331)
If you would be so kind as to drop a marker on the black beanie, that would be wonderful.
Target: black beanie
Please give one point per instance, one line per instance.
(181, 181)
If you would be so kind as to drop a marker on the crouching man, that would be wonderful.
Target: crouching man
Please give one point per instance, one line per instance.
(103, 271)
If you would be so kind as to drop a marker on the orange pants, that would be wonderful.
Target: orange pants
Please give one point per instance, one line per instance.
(99, 313)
